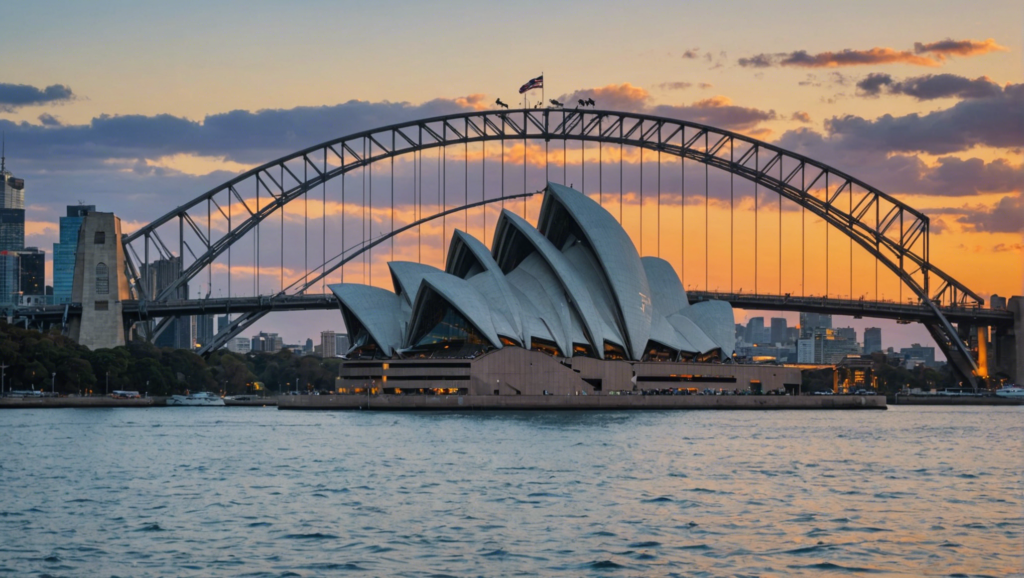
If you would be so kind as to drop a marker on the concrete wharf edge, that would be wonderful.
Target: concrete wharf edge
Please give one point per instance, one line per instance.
(578, 402)
(80, 402)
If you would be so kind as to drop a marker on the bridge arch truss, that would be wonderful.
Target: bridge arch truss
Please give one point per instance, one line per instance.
(894, 233)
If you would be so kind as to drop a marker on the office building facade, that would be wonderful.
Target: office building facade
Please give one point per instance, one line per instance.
(328, 344)
(64, 252)
(872, 340)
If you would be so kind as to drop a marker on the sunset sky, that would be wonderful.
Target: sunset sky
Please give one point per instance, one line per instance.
(139, 108)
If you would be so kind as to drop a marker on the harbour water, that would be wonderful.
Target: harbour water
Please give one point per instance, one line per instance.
(912, 491)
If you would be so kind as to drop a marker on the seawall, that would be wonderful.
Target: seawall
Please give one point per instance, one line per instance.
(82, 402)
(578, 402)
(954, 400)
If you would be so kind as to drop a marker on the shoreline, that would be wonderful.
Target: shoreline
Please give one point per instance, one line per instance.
(387, 402)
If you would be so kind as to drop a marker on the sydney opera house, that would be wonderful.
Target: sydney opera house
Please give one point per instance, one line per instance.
(566, 307)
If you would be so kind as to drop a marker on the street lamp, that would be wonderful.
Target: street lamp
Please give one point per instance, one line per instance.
(106, 388)
(3, 367)
(53, 379)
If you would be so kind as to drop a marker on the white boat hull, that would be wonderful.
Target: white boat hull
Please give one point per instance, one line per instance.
(196, 400)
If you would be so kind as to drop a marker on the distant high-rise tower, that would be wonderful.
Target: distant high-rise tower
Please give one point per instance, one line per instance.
(811, 321)
(12, 209)
(33, 275)
(872, 339)
(156, 277)
(328, 344)
(64, 252)
(779, 326)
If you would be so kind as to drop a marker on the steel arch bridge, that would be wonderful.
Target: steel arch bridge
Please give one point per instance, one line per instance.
(893, 233)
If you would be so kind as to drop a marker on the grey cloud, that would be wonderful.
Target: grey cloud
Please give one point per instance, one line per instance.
(14, 96)
(692, 54)
(675, 85)
(907, 174)
(1006, 217)
(871, 85)
(242, 136)
(757, 61)
(47, 119)
(717, 112)
(996, 122)
(930, 86)
(949, 46)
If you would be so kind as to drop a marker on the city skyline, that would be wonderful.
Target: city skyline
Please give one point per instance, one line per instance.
(200, 114)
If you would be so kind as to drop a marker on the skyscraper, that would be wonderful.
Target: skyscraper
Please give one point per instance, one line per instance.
(12, 229)
(873, 339)
(328, 343)
(779, 326)
(33, 275)
(204, 329)
(755, 330)
(157, 276)
(64, 252)
(12, 209)
(341, 343)
(10, 278)
(811, 321)
(848, 333)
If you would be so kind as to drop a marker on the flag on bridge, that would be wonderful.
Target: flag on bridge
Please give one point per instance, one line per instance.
(532, 84)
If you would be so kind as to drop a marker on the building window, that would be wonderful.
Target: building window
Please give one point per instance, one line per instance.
(102, 279)
(100, 238)
(101, 306)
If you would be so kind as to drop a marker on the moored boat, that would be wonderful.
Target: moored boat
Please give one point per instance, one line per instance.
(200, 399)
(1011, 391)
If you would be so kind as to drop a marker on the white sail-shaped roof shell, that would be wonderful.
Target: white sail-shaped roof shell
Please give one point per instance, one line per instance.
(378, 310)
(464, 298)
(667, 293)
(407, 276)
(716, 320)
(614, 250)
(510, 230)
(576, 279)
(468, 258)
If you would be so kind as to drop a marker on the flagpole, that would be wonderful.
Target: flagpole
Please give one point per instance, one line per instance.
(542, 100)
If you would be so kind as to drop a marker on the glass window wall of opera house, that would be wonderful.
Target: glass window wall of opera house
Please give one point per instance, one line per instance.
(572, 290)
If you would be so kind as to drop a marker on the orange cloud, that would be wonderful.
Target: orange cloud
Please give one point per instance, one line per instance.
(801, 116)
(476, 101)
(847, 57)
(947, 47)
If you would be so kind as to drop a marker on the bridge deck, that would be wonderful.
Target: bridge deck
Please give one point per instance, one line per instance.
(910, 312)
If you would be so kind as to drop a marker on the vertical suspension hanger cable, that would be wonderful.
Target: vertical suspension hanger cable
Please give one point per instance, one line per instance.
(600, 161)
(256, 245)
(344, 211)
(525, 124)
(682, 206)
(417, 174)
(362, 224)
(392, 229)
(657, 227)
(305, 221)
(465, 176)
(707, 252)
(281, 270)
(439, 200)
(732, 214)
(641, 234)
(780, 230)
(483, 184)
(369, 222)
(620, 180)
(757, 167)
(826, 233)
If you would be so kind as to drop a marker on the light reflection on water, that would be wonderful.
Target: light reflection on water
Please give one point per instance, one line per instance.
(261, 492)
